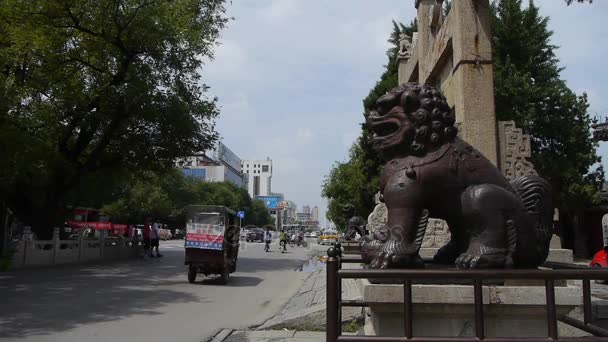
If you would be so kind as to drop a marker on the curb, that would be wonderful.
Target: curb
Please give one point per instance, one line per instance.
(219, 336)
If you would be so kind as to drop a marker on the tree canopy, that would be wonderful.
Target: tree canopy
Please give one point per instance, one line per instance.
(165, 197)
(528, 90)
(91, 86)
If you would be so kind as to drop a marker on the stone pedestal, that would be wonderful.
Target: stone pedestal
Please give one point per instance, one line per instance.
(448, 310)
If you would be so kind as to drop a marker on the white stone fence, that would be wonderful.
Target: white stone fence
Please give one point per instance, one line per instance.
(30, 252)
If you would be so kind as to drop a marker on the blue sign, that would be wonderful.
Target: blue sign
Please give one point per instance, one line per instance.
(240, 214)
(271, 202)
(204, 245)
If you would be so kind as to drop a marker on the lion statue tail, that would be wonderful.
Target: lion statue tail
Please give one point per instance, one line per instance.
(535, 193)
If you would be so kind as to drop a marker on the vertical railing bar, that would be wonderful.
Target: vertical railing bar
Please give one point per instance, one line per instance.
(551, 312)
(339, 302)
(407, 308)
(478, 298)
(332, 297)
(587, 300)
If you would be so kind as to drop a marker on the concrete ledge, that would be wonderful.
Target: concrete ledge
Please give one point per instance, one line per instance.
(447, 310)
(463, 294)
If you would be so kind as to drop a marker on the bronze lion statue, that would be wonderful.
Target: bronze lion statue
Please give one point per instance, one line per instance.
(430, 172)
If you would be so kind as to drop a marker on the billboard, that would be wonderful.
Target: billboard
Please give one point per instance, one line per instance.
(271, 202)
(204, 236)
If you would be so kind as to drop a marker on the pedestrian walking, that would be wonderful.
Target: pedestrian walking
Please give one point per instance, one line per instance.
(267, 239)
(154, 239)
(146, 237)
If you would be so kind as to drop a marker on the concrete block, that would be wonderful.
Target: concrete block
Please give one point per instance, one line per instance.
(444, 294)
(447, 310)
(560, 255)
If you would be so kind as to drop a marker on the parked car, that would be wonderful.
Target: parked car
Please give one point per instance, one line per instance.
(164, 234)
(328, 237)
(255, 235)
(307, 234)
(313, 235)
(600, 259)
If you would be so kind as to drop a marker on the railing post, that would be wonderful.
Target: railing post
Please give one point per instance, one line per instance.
(338, 246)
(407, 308)
(102, 243)
(28, 244)
(81, 246)
(333, 295)
(587, 300)
(56, 243)
(478, 298)
(551, 311)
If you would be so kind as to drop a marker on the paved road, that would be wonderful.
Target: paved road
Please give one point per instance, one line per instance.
(145, 300)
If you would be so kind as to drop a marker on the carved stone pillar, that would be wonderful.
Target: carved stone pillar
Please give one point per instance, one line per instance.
(515, 150)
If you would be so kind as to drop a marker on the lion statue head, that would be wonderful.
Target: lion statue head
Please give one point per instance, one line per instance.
(411, 119)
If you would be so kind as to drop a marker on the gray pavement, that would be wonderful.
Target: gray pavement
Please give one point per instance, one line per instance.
(146, 300)
(306, 310)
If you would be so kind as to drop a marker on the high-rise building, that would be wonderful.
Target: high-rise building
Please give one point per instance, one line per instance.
(306, 209)
(259, 174)
(217, 165)
(315, 213)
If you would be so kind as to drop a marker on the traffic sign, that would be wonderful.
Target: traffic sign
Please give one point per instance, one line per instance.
(240, 214)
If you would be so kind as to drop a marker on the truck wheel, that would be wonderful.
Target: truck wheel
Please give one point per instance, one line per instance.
(191, 274)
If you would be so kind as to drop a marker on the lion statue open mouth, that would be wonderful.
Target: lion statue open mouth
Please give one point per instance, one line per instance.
(430, 172)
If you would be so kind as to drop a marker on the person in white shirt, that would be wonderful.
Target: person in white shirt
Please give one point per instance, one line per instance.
(267, 239)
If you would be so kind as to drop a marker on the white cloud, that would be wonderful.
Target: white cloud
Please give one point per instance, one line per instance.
(279, 11)
(228, 61)
(305, 135)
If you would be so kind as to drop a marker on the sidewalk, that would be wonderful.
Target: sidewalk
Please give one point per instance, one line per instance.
(306, 310)
(228, 335)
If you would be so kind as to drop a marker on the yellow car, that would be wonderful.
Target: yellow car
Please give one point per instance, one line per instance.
(328, 237)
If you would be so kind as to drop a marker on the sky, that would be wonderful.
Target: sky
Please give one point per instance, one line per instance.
(290, 76)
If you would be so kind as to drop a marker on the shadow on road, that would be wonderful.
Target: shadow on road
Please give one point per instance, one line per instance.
(234, 281)
(38, 302)
(252, 265)
(43, 301)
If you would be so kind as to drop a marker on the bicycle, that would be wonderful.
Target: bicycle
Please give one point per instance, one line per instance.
(267, 246)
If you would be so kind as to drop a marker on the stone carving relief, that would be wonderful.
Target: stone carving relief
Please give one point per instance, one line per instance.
(377, 218)
(437, 234)
(514, 151)
(405, 47)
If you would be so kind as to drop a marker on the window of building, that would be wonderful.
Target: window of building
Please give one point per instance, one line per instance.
(195, 173)
(256, 185)
(264, 168)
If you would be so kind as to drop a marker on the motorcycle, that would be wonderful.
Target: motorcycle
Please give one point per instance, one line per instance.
(301, 242)
(283, 246)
